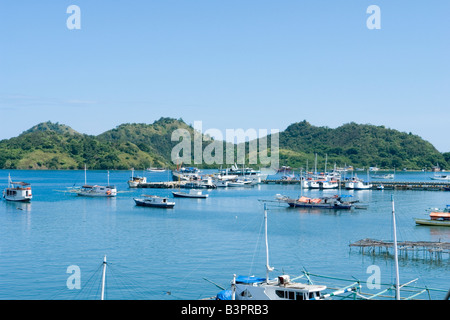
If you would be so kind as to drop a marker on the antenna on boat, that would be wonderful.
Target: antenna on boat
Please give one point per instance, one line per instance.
(397, 280)
(268, 267)
(103, 279)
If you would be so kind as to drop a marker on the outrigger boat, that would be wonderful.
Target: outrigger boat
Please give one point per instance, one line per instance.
(154, 201)
(335, 202)
(280, 288)
(96, 190)
(17, 191)
(438, 217)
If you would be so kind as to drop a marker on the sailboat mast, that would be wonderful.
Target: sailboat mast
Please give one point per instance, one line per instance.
(103, 279)
(268, 268)
(397, 277)
(85, 177)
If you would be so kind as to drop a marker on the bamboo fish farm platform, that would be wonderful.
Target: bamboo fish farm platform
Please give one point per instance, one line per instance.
(433, 249)
(390, 185)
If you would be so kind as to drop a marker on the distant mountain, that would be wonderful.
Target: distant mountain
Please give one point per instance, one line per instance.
(56, 146)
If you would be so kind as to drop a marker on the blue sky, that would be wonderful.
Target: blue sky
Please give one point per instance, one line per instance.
(230, 64)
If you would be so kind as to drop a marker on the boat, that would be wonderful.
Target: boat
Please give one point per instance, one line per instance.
(335, 202)
(186, 174)
(191, 194)
(17, 191)
(438, 217)
(135, 182)
(383, 176)
(203, 183)
(157, 169)
(241, 183)
(441, 177)
(95, 190)
(361, 185)
(249, 173)
(154, 201)
(329, 184)
(279, 288)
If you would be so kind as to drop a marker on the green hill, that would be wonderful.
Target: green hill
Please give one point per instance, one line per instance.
(360, 145)
(56, 146)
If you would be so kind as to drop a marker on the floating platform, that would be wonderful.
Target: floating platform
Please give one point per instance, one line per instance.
(433, 249)
(390, 185)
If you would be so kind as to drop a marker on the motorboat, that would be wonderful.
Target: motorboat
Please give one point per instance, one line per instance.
(17, 191)
(186, 174)
(135, 182)
(438, 217)
(154, 201)
(191, 194)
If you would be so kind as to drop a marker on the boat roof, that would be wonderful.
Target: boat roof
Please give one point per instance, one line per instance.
(249, 279)
(20, 183)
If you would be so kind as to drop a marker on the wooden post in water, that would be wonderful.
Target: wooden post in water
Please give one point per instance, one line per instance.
(397, 280)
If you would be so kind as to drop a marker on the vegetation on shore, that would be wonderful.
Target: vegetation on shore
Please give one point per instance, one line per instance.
(56, 146)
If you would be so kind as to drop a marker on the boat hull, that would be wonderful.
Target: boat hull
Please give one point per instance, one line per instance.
(426, 222)
(142, 203)
(319, 205)
(187, 195)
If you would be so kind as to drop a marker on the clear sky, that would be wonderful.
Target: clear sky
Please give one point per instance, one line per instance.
(230, 64)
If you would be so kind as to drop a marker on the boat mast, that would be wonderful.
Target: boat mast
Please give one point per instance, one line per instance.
(85, 178)
(268, 267)
(103, 279)
(397, 277)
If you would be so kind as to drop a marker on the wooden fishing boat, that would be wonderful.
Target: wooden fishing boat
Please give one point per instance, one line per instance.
(438, 217)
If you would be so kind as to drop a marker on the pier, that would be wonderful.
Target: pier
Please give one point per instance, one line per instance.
(390, 185)
(162, 184)
(432, 249)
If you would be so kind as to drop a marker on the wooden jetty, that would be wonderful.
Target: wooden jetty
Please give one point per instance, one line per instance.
(390, 185)
(433, 249)
(162, 184)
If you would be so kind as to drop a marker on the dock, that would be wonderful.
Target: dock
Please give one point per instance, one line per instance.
(428, 249)
(162, 184)
(389, 185)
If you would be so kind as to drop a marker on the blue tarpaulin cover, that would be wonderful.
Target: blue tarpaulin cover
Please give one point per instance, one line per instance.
(247, 279)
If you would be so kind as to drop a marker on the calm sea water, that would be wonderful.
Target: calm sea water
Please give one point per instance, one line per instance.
(164, 254)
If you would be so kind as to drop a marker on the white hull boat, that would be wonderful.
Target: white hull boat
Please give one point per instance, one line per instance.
(17, 191)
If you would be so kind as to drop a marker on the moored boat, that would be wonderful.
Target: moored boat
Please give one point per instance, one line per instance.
(191, 194)
(334, 202)
(438, 217)
(17, 191)
(154, 201)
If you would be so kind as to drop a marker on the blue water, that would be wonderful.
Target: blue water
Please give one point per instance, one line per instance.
(165, 254)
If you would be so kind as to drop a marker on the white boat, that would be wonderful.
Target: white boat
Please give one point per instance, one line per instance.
(241, 183)
(156, 169)
(329, 184)
(17, 191)
(191, 194)
(221, 183)
(96, 190)
(255, 175)
(203, 183)
(361, 185)
(154, 201)
(279, 288)
(441, 177)
(186, 174)
(134, 182)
